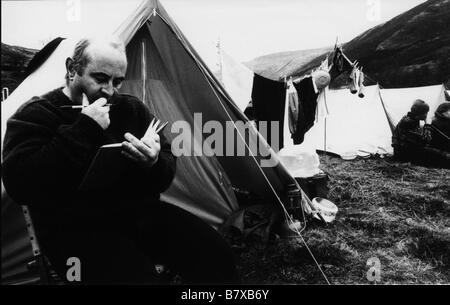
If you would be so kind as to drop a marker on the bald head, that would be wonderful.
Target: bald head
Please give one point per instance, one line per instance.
(97, 68)
(89, 50)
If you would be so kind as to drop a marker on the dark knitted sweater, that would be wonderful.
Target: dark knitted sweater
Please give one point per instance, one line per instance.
(408, 134)
(440, 133)
(47, 150)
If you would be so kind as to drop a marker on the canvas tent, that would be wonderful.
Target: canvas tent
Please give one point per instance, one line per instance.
(169, 76)
(237, 80)
(350, 126)
(398, 101)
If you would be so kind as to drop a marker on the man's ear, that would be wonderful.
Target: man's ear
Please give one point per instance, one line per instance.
(69, 67)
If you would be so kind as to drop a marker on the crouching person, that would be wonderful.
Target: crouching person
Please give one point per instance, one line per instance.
(440, 135)
(440, 128)
(411, 141)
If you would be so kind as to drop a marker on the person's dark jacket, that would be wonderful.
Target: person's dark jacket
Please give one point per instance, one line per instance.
(47, 150)
(440, 133)
(408, 134)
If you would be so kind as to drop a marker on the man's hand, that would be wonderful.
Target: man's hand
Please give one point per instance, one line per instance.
(97, 111)
(427, 133)
(145, 150)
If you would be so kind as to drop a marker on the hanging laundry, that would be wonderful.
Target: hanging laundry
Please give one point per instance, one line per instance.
(321, 79)
(307, 97)
(324, 65)
(294, 106)
(338, 61)
(340, 64)
(361, 84)
(268, 98)
(354, 80)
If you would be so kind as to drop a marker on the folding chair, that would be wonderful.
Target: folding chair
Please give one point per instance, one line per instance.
(39, 262)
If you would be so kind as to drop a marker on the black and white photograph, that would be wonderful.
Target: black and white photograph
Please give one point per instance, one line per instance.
(225, 148)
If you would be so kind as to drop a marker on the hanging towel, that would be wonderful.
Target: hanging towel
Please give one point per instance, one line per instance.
(361, 84)
(307, 97)
(294, 107)
(354, 80)
(268, 98)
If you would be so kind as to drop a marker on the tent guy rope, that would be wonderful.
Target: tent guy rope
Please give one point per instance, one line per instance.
(253, 157)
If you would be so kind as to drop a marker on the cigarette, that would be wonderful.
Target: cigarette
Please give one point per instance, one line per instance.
(80, 106)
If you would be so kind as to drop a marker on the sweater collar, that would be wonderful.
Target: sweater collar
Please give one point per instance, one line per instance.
(58, 98)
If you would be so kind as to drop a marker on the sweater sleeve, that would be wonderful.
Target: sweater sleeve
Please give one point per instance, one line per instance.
(44, 160)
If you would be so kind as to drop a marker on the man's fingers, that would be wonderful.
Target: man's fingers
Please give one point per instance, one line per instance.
(132, 139)
(133, 151)
(150, 133)
(151, 130)
(129, 156)
(139, 145)
(85, 101)
(151, 139)
(100, 102)
(151, 143)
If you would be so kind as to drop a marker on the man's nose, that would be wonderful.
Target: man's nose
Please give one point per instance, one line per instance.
(108, 90)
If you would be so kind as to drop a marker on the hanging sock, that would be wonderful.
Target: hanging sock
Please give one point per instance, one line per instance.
(361, 85)
(353, 81)
(293, 106)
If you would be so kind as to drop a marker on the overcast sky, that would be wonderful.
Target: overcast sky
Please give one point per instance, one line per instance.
(247, 28)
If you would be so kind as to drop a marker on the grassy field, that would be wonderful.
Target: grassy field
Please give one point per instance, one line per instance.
(398, 213)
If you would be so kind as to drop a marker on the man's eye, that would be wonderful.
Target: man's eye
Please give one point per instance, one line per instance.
(117, 83)
(100, 79)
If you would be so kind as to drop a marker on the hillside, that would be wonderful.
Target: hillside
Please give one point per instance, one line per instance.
(412, 49)
(277, 65)
(14, 61)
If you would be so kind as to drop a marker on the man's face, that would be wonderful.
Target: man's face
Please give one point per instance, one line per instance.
(423, 116)
(103, 74)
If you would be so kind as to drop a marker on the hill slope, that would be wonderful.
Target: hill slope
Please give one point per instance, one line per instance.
(13, 65)
(412, 49)
(278, 65)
